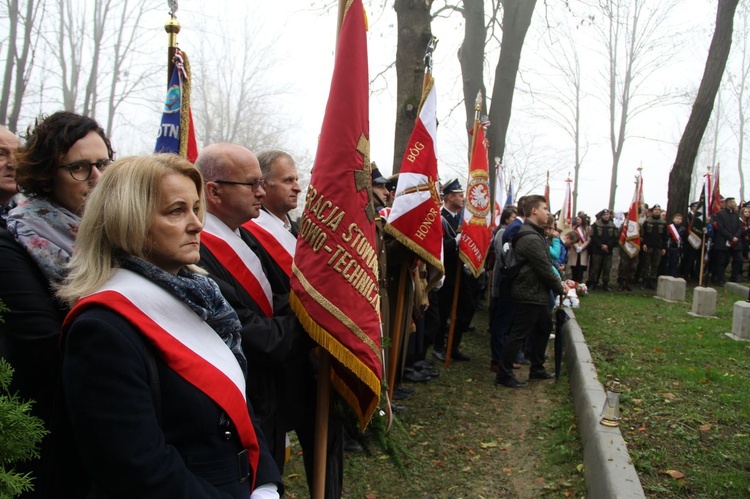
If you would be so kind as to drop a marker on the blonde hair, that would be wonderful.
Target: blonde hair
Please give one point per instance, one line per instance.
(117, 217)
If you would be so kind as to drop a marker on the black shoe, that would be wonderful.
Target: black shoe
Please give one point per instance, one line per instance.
(424, 364)
(522, 361)
(458, 355)
(397, 407)
(414, 377)
(628, 288)
(432, 373)
(439, 355)
(471, 328)
(536, 376)
(399, 395)
(605, 287)
(406, 389)
(352, 446)
(620, 286)
(510, 382)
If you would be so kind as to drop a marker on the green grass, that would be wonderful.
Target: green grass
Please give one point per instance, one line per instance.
(686, 406)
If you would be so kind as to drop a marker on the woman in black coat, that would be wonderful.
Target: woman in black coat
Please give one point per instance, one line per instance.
(153, 369)
(60, 163)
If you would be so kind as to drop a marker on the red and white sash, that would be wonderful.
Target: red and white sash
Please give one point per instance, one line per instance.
(674, 233)
(278, 242)
(581, 234)
(184, 341)
(237, 257)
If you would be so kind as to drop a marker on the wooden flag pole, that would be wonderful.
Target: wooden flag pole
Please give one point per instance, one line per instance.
(452, 329)
(323, 402)
(397, 331)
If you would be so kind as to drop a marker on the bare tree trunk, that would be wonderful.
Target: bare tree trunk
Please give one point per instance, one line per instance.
(10, 60)
(101, 9)
(414, 33)
(516, 20)
(679, 177)
(471, 57)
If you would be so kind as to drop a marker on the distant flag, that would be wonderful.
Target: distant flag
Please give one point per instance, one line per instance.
(499, 193)
(509, 199)
(477, 214)
(414, 219)
(715, 203)
(176, 133)
(335, 269)
(546, 189)
(697, 227)
(630, 237)
(566, 212)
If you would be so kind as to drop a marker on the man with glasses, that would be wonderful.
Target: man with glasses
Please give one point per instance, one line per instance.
(234, 191)
(8, 188)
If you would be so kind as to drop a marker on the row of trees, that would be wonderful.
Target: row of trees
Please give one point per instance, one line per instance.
(638, 41)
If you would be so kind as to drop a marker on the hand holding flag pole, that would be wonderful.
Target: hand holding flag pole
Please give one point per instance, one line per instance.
(459, 265)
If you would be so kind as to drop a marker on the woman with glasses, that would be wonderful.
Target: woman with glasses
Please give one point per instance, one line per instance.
(56, 169)
(154, 371)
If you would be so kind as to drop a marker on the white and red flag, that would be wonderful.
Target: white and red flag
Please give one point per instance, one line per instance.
(476, 234)
(566, 212)
(499, 204)
(414, 219)
(630, 235)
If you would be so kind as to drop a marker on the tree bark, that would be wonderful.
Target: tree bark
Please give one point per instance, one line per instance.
(516, 20)
(679, 177)
(414, 33)
(471, 57)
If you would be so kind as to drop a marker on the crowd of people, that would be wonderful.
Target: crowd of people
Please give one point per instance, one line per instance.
(149, 320)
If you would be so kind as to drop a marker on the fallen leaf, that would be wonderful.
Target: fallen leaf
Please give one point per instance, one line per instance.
(507, 470)
(486, 445)
(637, 401)
(471, 452)
(706, 427)
(371, 496)
(540, 480)
(674, 474)
(670, 396)
(468, 468)
(580, 468)
(438, 463)
(675, 383)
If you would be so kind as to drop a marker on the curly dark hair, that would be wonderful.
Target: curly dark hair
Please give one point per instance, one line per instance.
(47, 141)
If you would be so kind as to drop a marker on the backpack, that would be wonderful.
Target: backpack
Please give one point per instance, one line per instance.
(509, 266)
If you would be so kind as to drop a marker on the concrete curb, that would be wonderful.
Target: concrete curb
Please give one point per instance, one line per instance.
(608, 470)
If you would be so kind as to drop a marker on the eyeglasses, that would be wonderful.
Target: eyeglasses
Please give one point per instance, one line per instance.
(258, 184)
(81, 170)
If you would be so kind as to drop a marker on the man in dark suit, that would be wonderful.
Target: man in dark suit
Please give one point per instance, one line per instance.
(271, 334)
(8, 187)
(452, 211)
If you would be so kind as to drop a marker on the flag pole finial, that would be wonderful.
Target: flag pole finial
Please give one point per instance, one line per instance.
(478, 102)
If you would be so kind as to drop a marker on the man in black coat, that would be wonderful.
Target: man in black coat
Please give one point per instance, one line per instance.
(234, 190)
(530, 292)
(603, 241)
(452, 211)
(654, 238)
(8, 187)
(728, 231)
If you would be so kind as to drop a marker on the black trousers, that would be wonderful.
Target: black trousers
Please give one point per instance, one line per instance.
(534, 321)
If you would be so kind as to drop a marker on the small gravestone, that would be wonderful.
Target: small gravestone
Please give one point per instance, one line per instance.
(661, 286)
(675, 289)
(741, 321)
(704, 302)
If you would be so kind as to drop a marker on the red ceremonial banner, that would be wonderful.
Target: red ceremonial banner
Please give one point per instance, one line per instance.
(414, 219)
(476, 232)
(335, 270)
(630, 235)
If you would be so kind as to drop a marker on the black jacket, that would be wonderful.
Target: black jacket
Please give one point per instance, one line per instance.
(280, 378)
(603, 233)
(190, 450)
(728, 225)
(654, 233)
(536, 276)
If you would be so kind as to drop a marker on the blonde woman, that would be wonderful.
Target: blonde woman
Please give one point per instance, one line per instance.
(153, 370)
